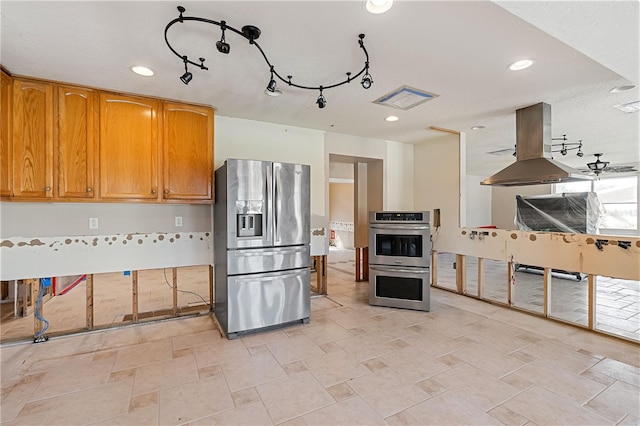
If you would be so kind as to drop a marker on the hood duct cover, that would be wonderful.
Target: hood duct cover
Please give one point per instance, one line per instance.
(534, 165)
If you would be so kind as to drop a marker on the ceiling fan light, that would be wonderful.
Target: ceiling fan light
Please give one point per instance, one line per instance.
(378, 6)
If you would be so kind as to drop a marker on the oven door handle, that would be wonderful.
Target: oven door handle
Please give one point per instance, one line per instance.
(392, 269)
(403, 227)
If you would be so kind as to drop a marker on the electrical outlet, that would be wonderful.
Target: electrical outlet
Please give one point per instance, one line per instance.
(93, 223)
(178, 220)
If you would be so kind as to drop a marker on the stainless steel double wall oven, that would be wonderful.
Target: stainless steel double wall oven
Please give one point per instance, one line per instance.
(399, 259)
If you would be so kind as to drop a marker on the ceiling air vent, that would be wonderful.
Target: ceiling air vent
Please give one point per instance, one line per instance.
(405, 97)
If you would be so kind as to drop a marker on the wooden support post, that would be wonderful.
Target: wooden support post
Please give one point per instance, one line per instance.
(592, 301)
(89, 288)
(461, 273)
(434, 268)
(35, 288)
(175, 291)
(480, 277)
(134, 295)
(211, 286)
(321, 274)
(510, 284)
(362, 263)
(547, 292)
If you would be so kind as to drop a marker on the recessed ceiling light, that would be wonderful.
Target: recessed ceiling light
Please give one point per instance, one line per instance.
(391, 118)
(276, 92)
(144, 71)
(379, 6)
(520, 65)
(477, 128)
(620, 89)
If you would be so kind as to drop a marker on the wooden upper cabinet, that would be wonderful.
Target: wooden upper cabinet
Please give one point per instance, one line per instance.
(77, 141)
(129, 147)
(188, 152)
(33, 133)
(6, 101)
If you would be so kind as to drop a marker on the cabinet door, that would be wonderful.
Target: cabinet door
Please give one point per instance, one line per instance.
(32, 139)
(76, 141)
(188, 152)
(129, 143)
(5, 135)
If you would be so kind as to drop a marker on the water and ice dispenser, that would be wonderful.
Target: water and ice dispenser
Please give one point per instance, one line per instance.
(249, 225)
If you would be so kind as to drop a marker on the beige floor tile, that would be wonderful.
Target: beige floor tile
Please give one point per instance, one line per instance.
(403, 418)
(387, 391)
(413, 364)
(143, 354)
(351, 411)
(432, 343)
(340, 391)
(293, 396)
(163, 374)
(618, 370)
(449, 408)
(143, 401)
(335, 367)
(367, 345)
(547, 408)
(91, 405)
(194, 339)
(561, 354)
(247, 414)
(143, 417)
(617, 401)
(479, 388)
(630, 420)
(560, 381)
(489, 360)
(252, 371)
(220, 351)
(30, 420)
(507, 417)
(193, 401)
(12, 404)
(245, 396)
(296, 348)
(327, 332)
(263, 338)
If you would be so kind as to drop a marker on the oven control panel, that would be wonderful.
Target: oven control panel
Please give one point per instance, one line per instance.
(421, 217)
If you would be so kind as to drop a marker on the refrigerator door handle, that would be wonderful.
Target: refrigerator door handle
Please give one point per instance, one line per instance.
(276, 201)
(267, 222)
(269, 276)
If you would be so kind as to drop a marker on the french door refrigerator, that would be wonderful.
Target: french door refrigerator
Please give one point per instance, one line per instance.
(261, 245)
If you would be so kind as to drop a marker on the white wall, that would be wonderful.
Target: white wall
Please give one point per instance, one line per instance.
(503, 202)
(437, 185)
(478, 202)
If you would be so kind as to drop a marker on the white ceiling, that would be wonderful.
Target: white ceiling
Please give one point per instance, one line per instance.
(458, 50)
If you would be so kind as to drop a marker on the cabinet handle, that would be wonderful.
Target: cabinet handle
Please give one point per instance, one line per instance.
(47, 188)
(166, 192)
(153, 191)
(89, 189)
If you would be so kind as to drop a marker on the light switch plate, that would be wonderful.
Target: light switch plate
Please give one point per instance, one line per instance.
(93, 223)
(178, 220)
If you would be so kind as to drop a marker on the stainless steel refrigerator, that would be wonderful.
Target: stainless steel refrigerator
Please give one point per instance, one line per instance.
(261, 245)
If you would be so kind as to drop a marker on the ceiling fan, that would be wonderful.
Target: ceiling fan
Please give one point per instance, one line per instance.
(598, 167)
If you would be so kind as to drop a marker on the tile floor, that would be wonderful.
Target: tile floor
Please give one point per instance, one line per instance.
(465, 362)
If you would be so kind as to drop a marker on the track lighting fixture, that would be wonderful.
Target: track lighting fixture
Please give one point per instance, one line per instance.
(367, 81)
(566, 146)
(222, 45)
(321, 101)
(251, 34)
(187, 76)
(272, 83)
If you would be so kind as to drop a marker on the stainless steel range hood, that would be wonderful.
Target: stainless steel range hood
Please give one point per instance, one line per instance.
(534, 165)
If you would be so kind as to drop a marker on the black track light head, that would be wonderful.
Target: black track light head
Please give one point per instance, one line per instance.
(186, 77)
(579, 153)
(271, 86)
(367, 81)
(321, 101)
(223, 47)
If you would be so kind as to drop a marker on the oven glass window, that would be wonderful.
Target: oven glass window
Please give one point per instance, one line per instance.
(399, 288)
(399, 245)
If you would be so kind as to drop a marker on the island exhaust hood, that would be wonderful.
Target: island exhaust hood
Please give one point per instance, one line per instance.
(534, 165)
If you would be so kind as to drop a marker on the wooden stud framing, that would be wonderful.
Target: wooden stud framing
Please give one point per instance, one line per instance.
(321, 274)
(434, 268)
(175, 291)
(480, 277)
(510, 284)
(461, 273)
(134, 295)
(547, 291)
(89, 288)
(34, 286)
(362, 263)
(592, 301)
(211, 286)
